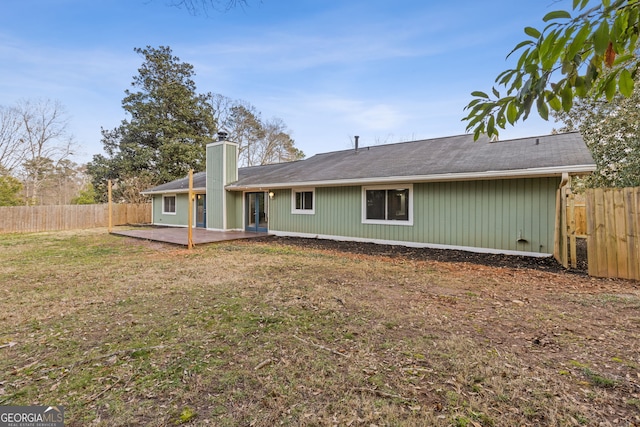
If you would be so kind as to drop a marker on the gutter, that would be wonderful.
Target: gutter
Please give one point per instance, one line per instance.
(178, 191)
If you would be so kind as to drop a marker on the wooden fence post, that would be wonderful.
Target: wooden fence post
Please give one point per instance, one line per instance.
(110, 217)
(190, 213)
(633, 231)
(571, 215)
(560, 237)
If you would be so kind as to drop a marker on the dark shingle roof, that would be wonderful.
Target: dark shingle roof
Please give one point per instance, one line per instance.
(181, 185)
(454, 157)
(444, 157)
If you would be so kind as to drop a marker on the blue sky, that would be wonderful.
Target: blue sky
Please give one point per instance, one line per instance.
(387, 71)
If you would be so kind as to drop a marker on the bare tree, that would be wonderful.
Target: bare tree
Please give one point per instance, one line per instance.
(259, 142)
(277, 146)
(46, 142)
(35, 147)
(128, 189)
(44, 130)
(221, 110)
(12, 146)
(206, 6)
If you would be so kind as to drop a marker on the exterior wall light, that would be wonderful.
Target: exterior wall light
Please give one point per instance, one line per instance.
(271, 194)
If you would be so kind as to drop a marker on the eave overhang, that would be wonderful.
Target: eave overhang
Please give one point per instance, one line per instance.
(178, 191)
(464, 176)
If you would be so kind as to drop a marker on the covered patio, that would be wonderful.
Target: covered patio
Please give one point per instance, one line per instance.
(179, 235)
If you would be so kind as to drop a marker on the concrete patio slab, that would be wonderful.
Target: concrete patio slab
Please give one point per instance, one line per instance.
(178, 235)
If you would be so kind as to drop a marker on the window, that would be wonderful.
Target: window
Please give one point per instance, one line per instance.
(302, 201)
(387, 204)
(169, 204)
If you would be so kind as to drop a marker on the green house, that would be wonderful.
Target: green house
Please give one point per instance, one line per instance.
(451, 192)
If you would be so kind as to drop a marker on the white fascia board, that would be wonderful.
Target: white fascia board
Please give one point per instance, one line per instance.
(466, 176)
(181, 191)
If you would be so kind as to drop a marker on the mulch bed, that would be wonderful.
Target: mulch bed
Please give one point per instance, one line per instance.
(442, 255)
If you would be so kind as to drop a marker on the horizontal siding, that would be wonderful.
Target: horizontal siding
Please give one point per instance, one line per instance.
(483, 214)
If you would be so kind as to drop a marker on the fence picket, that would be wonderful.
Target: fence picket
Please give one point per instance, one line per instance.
(613, 232)
(631, 231)
(26, 219)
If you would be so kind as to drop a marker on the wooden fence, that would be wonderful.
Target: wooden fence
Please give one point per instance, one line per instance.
(580, 216)
(613, 232)
(25, 219)
(566, 230)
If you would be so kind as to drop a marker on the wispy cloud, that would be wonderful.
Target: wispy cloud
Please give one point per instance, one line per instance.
(358, 113)
(329, 69)
(46, 69)
(319, 42)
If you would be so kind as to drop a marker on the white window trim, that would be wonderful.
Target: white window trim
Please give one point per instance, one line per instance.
(175, 204)
(384, 221)
(293, 201)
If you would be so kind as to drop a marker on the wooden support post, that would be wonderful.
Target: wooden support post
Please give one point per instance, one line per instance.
(557, 249)
(190, 220)
(563, 229)
(571, 215)
(110, 207)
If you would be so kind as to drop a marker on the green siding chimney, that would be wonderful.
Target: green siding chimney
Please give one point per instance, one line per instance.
(222, 169)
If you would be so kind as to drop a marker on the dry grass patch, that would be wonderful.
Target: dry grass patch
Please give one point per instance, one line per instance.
(123, 332)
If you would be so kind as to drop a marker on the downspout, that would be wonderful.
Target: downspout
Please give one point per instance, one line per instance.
(560, 235)
(564, 180)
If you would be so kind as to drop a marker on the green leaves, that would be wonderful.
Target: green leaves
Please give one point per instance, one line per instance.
(543, 109)
(554, 101)
(626, 83)
(532, 32)
(601, 38)
(592, 53)
(578, 42)
(566, 96)
(579, 4)
(558, 14)
(512, 113)
(480, 94)
(610, 131)
(610, 88)
(10, 189)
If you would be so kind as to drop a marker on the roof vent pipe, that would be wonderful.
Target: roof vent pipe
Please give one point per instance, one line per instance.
(356, 138)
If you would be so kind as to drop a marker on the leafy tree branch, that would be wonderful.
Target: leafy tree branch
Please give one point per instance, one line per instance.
(590, 51)
(610, 129)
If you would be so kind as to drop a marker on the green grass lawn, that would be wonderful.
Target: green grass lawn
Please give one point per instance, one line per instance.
(125, 332)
